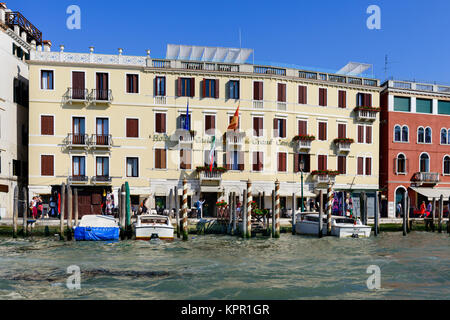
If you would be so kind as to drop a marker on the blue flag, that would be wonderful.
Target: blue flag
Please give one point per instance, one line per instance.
(186, 121)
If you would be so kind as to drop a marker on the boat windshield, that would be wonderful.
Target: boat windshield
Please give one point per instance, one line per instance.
(345, 220)
(154, 220)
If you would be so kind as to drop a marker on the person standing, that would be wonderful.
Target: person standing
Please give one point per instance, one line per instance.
(199, 205)
(399, 209)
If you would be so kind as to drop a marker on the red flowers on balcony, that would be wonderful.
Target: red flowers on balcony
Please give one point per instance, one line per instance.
(343, 140)
(325, 173)
(304, 137)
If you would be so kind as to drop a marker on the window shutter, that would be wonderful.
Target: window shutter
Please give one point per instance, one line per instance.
(204, 88)
(135, 83)
(163, 159)
(158, 158)
(260, 161)
(260, 91)
(302, 98)
(283, 93)
(192, 87)
(217, 88)
(255, 91)
(158, 121)
(296, 162)
(342, 130)
(182, 159)
(241, 160)
(47, 125)
(275, 128)
(228, 160)
(283, 128)
(342, 99)
(368, 166)
(132, 128)
(179, 87)
(368, 134)
(213, 122)
(360, 134)
(302, 127)
(260, 126)
(360, 166)
(47, 165)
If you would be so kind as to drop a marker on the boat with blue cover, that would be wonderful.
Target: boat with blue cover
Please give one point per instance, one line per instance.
(97, 228)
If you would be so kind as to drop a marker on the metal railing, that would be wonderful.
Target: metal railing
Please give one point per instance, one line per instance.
(269, 70)
(161, 63)
(213, 175)
(427, 177)
(81, 140)
(75, 94)
(81, 179)
(101, 179)
(101, 140)
(101, 95)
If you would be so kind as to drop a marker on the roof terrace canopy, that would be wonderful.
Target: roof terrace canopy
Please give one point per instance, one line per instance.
(209, 54)
(354, 68)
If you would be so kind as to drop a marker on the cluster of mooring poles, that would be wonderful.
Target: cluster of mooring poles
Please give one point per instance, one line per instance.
(437, 216)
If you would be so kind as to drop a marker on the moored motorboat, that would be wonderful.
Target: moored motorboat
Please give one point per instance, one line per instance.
(341, 227)
(97, 228)
(150, 226)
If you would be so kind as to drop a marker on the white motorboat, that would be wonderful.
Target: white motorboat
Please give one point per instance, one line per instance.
(151, 226)
(341, 227)
(97, 228)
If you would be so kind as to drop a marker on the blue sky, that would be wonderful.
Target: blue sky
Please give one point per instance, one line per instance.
(318, 34)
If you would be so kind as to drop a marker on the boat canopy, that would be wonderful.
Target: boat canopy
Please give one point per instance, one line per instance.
(431, 193)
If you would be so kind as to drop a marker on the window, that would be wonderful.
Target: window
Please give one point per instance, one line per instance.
(443, 136)
(368, 166)
(342, 164)
(132, 167)
(20, 92)
(78, 85)
(360, 166)
(397, 134)
(402, 104)
(47, 125)
(302, 127)
(368, 134)
(132, 128)
(405, 134)
(342, 130)
(132, 83)
(401, 164)
(444, 107)
(102, 167)
(160, 122)
(281, 92)
(233, 89)
(160, 86)
(363, 100)
(47, 80)
(302, 95)
(447, 165)
(322, 97)
(102, 131)
(322, 162)
(102, 86)
(322, 131)
(342, 99)
(428, 135)
(78, 130)
(185, 159)
(282, 159)
(258, 161)
(360, 134)
(258, 90)
(258, 126)
(298, 158)
(210, 124)
(421, 135)
(210, 88)
(160, 159)
(47, 163)
(279, 128)
(424, 163)
(186, 87)
(424, 105)
(181, 122)
(78, 166)
(234, 160)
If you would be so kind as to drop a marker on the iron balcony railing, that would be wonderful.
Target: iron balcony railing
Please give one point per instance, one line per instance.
(78, 179)
(427, 177)
(75, 94)
(101, 95)
(76, 139)
(101, 140)
(101, 179)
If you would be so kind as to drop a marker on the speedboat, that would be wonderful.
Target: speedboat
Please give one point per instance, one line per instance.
(97, 228)
(151, 226)
(341, 227)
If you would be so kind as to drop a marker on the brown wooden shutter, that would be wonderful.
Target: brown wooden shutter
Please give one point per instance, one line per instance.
(163, 159)
(204, 88)
(368, 134)
(47, 163)
(275, 128)
(360, 134)
(47, 125)
(282, 92)
(296, 162)
(322, 97)
(342, 99)
(302, 98)
(217, 89)
(158, 123)
(342, 164)
(78, 80)
(368, 166)
(283, 131)
(163, 122)
(367, 100)
(360, 166)
(302, 126)
(255, 91)
(158, 158)
(179, 87)
(322, 162)
(192, 87)
(342, 128)
(132, 128)
(322, 131)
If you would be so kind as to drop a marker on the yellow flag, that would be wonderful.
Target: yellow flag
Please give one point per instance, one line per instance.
(234, 123)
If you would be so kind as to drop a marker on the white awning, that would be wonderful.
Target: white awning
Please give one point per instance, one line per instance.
(306, 194)
(211, 189)
(431, 193)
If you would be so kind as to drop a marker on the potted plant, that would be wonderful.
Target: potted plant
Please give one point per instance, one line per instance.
(304, 137)
(214, 169)
(325, 173)
(365, 108)
(343, 140)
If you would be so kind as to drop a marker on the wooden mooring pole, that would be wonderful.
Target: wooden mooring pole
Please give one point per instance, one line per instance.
(177, 212)
(185, 217)
(321, 214)
(75, 200)
(25, 212)
(244, 215)
(273, 213)
(293, 213)
(69, 212)
(329, 207)
(16, 210)
(441, 213)
(233, 232)
(377, 213)
(405, 209)
(63, 211)
(123, 210)
(249, 208)
(277, 209)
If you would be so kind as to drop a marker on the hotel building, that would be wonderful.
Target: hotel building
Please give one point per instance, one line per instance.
(414, 143)
(17, 37)
(97, 121)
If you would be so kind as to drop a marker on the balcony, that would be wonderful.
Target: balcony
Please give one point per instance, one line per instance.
(258, 104)
(76, 141)
(366, 114)
(214, 176)
(185, 138)
(282, 106)
(80, 179)
(101, 180)
(343, 144)
(100, 141)
(17, 19)
(74, 95)
(235, 138)
(160, 100)
(303, 142)
(325, 178)
(99, 96)
(426, 178)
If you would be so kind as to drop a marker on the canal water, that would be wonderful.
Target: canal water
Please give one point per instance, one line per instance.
(224, 267)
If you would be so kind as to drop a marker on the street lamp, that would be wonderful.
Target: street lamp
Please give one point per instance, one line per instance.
(302, 167)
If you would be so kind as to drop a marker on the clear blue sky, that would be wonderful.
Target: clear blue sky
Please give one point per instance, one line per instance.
(322, 34)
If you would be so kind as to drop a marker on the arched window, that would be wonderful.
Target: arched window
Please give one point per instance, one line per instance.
(420, 135)
(405, 134)
(424, 163)
(447, 165)
(443, 136)
(401, 163)
(397, 134)
(428, 135)
(448, 137)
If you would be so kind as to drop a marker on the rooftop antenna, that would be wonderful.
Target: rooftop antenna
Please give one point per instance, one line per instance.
(386, 66)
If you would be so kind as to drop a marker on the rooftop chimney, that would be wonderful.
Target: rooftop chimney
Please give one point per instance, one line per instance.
(47, 45)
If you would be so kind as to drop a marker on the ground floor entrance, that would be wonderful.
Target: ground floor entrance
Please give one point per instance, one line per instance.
(209, 207)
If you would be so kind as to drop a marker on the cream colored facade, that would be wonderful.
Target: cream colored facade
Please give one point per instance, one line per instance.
(144, 105)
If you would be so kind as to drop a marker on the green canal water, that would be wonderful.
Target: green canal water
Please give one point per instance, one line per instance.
(224, 267)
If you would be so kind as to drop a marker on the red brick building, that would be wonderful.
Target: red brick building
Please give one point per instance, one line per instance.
(414, 143)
